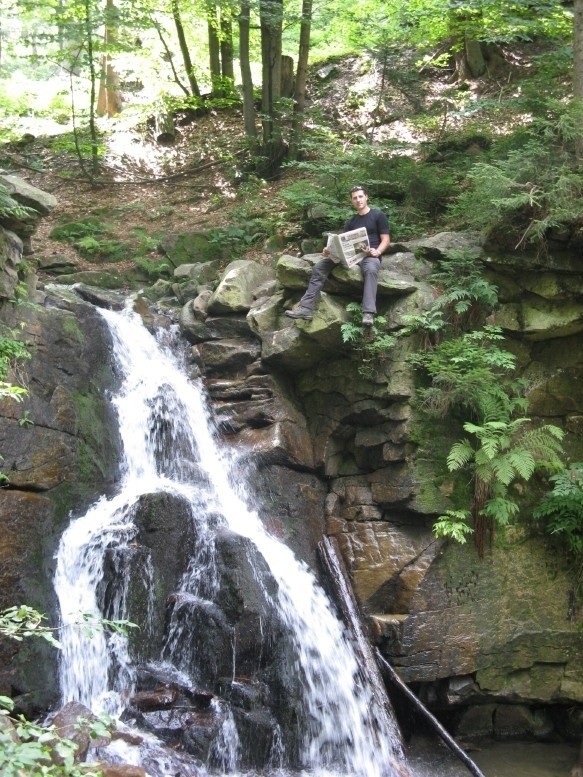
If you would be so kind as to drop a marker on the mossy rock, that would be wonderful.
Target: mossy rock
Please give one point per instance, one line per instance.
(188, 248)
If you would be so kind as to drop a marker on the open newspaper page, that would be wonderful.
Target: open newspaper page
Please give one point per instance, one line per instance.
(349, 247)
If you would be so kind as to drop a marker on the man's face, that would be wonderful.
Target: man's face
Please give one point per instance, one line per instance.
(359, 199)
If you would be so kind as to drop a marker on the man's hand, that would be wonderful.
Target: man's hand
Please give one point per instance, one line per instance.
(374, 252)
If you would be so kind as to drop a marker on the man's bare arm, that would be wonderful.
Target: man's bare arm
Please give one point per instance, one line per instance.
(382, 247)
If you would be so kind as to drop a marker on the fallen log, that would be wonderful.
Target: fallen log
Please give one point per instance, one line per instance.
(374, 664)
(391, 675)
(331, 560)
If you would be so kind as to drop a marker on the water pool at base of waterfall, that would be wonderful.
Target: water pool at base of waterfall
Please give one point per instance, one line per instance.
(495, 759)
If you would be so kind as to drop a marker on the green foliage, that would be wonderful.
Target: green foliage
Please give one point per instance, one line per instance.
(33, 751)
(23, 621)
(465, 292)
(79, 143)
(500, 453)
(72, 231)
(154, 268)
(91, 623)
(90, 237)
(372, 343)
(562, 508)
(533, 189)
(40, 751)
(10, 208)
(237, 238)
(471, 372)
(12, 392)
(11, 350)
(453, 524)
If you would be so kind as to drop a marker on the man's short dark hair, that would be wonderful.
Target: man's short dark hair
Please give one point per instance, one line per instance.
(358, 189)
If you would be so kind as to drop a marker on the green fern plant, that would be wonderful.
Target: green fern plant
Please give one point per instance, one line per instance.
(472, 373)
(466, 295)
(500, 453)
(453, 524)
(562, 508)
(372, 343)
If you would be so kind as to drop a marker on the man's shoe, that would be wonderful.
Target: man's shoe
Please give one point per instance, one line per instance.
(368, 319)
(300, 313)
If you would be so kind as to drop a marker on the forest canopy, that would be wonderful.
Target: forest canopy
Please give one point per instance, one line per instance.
(434, 78)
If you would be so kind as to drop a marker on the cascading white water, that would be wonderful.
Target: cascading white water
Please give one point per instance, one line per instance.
(344, 731)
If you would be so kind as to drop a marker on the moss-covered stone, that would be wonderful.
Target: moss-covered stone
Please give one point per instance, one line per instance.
(188, 248)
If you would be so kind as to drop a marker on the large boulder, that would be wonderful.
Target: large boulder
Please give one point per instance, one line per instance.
(238, 285)
(298, 345)
(188, 248)
(28, 195)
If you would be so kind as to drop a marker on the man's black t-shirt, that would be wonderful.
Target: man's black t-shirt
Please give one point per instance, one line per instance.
(375, 222)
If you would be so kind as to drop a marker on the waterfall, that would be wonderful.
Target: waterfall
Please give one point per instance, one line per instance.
(170, 447)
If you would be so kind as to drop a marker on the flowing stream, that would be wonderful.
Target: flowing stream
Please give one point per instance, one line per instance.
(169, 446)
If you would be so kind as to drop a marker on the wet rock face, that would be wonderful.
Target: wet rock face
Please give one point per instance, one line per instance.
(226, 636)
(326, 450)
(466, 630)
(61, 451)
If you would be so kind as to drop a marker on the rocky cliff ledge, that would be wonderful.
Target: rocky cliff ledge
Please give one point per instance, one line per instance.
(498, 641)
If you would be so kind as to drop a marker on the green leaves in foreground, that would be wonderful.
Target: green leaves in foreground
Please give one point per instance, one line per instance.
(23, 621)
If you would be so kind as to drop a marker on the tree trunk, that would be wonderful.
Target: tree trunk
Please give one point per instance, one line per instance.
(214, 51)
(578, 67)
(408, 694)
(109, 101)
(92, 125)
(184, 49)
(164, 129)
(287, 76)
(475, 58)
(578, 49)
(271, 19)
(301, 79)
(249, 115)
(227, 70)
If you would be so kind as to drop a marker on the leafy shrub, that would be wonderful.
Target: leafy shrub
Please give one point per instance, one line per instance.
(533, 189)
(72, 231)
(236, 238)
(373, 343)
(562, 508)
(499, 453)
(154, 268)
(11, 350)
(471, 372)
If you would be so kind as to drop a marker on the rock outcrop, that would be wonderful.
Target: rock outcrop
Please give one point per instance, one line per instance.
(336, 451)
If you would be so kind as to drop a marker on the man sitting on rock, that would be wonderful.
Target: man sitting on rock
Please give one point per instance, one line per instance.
(377, 227)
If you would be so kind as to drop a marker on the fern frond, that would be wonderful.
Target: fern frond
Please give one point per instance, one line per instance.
(461, 453)
(523, 462)
(504, 470)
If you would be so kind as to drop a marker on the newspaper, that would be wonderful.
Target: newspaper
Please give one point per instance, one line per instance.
(348, 248)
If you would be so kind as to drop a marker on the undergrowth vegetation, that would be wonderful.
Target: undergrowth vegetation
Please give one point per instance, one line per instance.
(467, 378)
